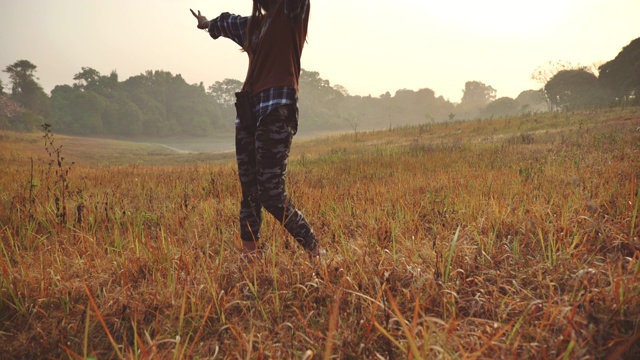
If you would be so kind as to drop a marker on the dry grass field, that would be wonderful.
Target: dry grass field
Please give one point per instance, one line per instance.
(507, 238)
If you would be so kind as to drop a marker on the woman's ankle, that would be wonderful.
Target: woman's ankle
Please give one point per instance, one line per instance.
(249, 247)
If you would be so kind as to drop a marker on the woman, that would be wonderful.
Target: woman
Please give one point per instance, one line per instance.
(273, 37)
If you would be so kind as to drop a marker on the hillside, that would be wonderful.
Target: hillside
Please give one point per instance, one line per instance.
(507, 238)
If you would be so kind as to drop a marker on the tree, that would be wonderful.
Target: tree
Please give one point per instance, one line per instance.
(353, 121)
(622, 74)
(120, 115)
(75, 111)
(26, 121)
(25, 89)
(152, 93)
(532, 100)
(13, 116)
(475, 97)
(10, 112)
(418, 107)
(154, 119)
(576, 88)
(155, 103)
(543, 73)
(501, 107)
(320, 103)
(1, 88)
(342, 90)
(224, 91)
(477, 94)
(86, 76)
(9, 108)
(192, 108)
(21, 73)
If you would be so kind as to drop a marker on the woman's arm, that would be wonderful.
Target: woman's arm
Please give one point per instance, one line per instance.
(227, 25)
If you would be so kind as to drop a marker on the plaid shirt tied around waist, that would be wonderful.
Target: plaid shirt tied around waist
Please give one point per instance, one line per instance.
(234, 27)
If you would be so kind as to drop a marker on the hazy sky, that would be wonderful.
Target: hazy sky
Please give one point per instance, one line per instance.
(367, 46)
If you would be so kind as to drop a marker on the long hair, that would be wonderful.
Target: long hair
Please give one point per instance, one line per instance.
(260, 8)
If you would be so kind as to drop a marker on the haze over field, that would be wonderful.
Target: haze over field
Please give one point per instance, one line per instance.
(369, 47)
(503, 222)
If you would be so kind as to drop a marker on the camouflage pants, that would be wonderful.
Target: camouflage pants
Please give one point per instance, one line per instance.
(262, 152)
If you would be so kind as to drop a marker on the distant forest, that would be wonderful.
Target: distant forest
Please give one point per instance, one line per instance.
(160, 104)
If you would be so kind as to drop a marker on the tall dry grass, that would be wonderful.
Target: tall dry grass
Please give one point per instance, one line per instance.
(509, 238)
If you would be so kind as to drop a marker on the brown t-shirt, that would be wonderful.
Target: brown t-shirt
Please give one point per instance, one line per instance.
(275, 61)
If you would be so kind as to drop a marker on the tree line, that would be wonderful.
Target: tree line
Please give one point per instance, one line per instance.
(159, 103)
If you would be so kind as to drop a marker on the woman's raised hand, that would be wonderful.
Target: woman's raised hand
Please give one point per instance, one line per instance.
(203, 23)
